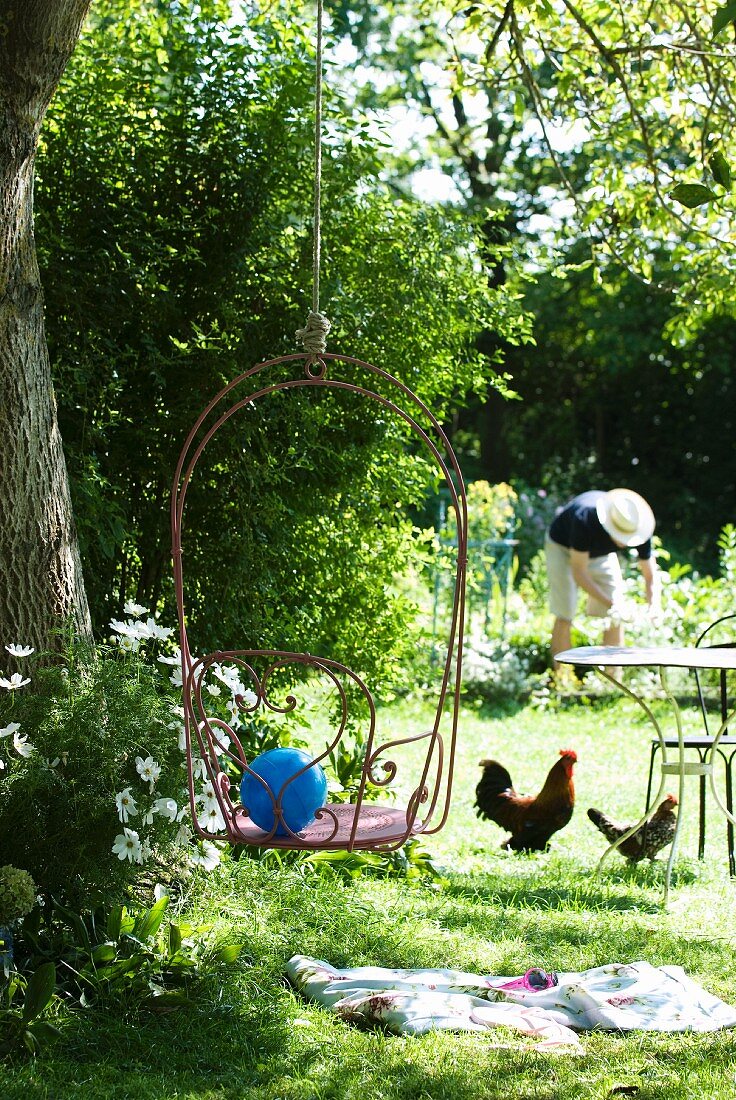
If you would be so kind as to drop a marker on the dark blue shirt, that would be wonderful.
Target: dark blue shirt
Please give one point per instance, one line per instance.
(578, 528)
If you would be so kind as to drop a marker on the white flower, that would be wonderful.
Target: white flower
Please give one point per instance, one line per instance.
(173, 659)
(199, 768)
(20, 650)
(126, 805)
(50, 765)
(128, 846)
(166, 807)
(22, 745)
(212, 819)
(128, 645)
(175, 678)
(2, 765)
(213, 689)
(248, 698)
(205, 854)
(127, 629)
(136, 609)
(146, 850)
(183, 836)
(10, 729)
(147, 769)
(15, 681)
(207, 794)
(151, 629)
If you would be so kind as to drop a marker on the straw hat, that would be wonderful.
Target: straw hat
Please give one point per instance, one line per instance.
(626, 517)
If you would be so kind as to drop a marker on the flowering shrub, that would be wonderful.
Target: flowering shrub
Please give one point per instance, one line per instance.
(493, 670)
(83, 743)
(17, 894)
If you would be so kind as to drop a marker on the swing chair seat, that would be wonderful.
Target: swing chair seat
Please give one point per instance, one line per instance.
(377, 826)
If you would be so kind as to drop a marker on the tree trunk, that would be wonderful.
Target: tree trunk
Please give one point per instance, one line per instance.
(41, 584)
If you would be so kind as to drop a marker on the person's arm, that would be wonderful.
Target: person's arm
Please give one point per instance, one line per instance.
(579, 565)
(650, 573)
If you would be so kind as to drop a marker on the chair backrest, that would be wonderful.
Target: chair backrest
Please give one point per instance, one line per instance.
(723, 677)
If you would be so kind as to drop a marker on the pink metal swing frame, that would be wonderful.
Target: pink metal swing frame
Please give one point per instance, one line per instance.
(363, 824)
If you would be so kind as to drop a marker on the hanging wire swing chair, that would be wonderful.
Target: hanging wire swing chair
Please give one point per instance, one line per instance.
(363, 823)
(213, 747)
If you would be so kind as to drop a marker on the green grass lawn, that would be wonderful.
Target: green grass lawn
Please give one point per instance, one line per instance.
(250, 1036)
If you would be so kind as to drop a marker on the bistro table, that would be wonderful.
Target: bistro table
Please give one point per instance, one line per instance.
(661, 658)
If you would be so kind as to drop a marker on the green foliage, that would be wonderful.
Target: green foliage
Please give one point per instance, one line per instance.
(125, 960)
(87, 721)
(412, 862)
(17, 893)
(23, 1003)
(174, 231)
(606, 401)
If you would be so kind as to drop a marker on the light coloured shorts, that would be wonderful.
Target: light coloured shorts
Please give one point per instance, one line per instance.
(563, 592)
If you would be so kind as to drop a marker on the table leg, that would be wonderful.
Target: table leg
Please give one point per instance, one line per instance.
(680, 769)
(660, 791)
(725, 810)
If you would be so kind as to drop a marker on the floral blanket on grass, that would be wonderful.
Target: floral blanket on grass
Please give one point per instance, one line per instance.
(617, 997)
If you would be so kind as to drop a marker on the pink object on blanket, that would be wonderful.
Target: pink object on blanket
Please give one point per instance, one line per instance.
(535, 980)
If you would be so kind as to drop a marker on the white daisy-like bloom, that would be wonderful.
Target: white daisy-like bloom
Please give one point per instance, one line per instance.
(183, 836)
(127, 629)
(20, 650)
(137, 609)
(10, 729)
(199, 768)
(22, 745)
(172, 659)
(148, 769)
(148, 817)
(208, 792)
(128, 846)
(247, 698)
(212, 819)
(223, 741)
(213, 689)
(50, 765)
(205, 854)
(126, 805)
(14, 682)
(175, 679)
(146, 851)
(151, 629)
(229, 674)
(127, 645)
(167, 807)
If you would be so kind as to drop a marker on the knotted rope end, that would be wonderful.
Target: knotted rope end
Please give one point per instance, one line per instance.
(313, 337)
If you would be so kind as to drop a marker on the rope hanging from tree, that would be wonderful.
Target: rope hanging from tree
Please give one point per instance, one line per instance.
(313, 337)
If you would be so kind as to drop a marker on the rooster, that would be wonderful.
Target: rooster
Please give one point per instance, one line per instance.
(646, 841)
(531, 821)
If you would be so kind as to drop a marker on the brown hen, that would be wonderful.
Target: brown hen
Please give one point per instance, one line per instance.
(530, 820)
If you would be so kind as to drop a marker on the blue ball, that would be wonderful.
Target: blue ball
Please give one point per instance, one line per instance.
(301, 799)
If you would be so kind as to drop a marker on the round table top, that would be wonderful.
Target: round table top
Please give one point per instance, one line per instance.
(645, 656)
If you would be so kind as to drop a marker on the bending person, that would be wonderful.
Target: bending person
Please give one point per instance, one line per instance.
(581, 549)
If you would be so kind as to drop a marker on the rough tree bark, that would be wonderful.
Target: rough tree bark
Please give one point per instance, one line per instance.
(41, 583)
